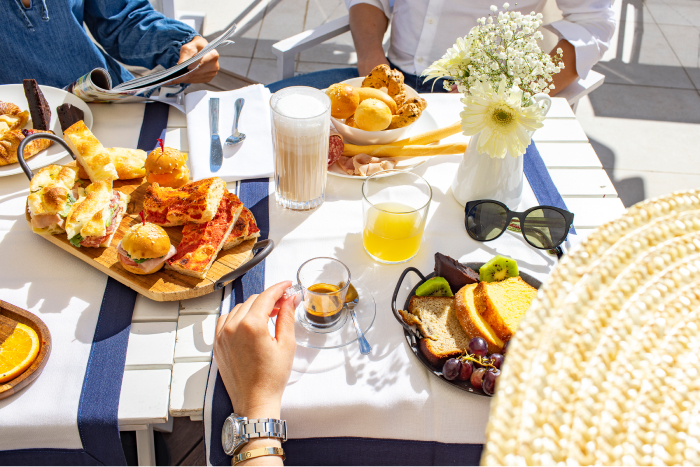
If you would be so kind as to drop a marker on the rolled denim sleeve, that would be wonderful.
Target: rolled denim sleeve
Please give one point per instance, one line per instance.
(381, 4)
(132, 32)
(589, 26)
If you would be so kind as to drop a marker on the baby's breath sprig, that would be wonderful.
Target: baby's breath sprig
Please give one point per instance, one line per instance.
(502, 46)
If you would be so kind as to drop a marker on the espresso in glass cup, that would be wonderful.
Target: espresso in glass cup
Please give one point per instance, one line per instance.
(323, 283)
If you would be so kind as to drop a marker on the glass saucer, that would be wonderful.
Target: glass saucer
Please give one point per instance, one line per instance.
(365, 310)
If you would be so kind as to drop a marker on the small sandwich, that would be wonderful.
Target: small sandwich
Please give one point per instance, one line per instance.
(53, 190)
(93, 220)
(145, 248)
(167, 167)
(245, 229)
(90, 153)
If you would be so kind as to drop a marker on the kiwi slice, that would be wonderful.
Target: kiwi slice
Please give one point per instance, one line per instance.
(436, 287)
(498, 269)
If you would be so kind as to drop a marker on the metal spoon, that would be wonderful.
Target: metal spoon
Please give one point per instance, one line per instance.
(352, 300)
(365, 348)
(237, 137)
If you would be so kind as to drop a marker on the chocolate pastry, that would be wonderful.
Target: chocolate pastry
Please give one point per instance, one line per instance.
(456, 275)
(38, 107)
(68, 115)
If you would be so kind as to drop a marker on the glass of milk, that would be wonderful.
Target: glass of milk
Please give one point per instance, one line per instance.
(301, 118)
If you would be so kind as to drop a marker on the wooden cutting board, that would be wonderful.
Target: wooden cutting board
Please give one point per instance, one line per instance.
(10, 315)
(164, 285)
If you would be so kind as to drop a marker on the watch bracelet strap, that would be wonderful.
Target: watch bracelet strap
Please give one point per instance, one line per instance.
(259, 452)
(266, 428)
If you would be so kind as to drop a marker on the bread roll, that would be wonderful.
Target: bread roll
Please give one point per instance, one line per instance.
(371, 93)
(372, 115)
(344, 100)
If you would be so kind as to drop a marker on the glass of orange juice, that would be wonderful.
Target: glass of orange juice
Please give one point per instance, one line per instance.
(395, 205)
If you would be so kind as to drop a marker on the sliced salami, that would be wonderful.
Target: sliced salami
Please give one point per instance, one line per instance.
(335, 148)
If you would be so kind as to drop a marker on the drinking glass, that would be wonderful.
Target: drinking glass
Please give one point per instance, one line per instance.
(395, 205)
(300, 130)
(323, 283)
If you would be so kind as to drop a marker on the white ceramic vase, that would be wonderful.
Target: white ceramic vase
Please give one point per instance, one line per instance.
(481, 176)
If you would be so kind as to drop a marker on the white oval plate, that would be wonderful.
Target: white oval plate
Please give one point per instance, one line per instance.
(15, 93)
(426, 122)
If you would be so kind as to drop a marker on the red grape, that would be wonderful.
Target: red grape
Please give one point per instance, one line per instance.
(489, 382)
(478, 347)
(466, 371)
(477, 377)
(451, 369)
(496, 360)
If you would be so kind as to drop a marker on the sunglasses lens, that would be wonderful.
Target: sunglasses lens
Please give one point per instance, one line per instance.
(486, 221)
(545, 228)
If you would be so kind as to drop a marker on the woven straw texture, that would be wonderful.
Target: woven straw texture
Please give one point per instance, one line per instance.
(605, 366)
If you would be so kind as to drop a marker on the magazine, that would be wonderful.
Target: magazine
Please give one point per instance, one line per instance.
(96, 86)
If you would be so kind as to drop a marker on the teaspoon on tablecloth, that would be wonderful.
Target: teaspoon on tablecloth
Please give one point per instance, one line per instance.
(237, 137)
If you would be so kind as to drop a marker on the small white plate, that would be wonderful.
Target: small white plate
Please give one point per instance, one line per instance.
(425, 123)
(15, 93)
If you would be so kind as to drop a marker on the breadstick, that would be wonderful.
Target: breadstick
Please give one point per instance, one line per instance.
(388, 150)
(430, 136)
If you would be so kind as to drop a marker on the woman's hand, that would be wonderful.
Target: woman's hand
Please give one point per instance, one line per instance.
(255, 366)
(208, 65)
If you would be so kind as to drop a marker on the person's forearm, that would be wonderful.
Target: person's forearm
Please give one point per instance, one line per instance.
(368, 25)
(568, 75)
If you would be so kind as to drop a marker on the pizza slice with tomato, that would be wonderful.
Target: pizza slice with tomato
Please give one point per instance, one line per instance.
(202, 242)
(245, 229)
(194, 202)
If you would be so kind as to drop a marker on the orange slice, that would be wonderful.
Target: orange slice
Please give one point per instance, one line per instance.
(18, 352)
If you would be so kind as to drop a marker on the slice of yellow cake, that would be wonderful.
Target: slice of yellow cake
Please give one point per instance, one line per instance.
(503, 304)
(472, 322)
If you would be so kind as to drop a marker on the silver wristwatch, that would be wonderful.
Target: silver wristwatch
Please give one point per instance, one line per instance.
(237, 431)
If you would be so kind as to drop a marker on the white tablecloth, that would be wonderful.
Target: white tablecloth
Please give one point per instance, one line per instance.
(66, 293)
(388, 394)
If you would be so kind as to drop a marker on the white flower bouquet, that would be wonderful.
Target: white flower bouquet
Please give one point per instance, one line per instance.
(500, 67)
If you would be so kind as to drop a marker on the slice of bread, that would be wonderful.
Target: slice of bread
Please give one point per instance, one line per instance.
(503, 304)
(472, 321)
(90, 153)
(445, 337)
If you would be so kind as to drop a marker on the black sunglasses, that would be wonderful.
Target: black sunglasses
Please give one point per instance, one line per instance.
(544, 227)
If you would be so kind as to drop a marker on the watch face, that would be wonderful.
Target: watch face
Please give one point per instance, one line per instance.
(230, 435)
(227, 435)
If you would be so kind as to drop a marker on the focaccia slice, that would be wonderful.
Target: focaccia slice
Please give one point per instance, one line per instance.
(202, 242)
(90, 153)
(130, 163)
(53, 191)
(245, 229)
(195, 202)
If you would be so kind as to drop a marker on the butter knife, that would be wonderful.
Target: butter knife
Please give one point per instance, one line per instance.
(216, 151)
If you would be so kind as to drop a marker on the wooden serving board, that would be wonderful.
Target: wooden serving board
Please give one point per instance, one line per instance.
(10, 315)
(164, 285)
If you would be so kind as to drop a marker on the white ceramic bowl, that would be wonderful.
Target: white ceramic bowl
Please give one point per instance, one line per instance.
(362, 137)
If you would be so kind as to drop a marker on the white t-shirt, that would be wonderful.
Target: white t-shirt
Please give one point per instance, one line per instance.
(422, 30)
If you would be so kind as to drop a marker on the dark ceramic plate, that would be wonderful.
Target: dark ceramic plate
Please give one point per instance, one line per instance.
(413, 336)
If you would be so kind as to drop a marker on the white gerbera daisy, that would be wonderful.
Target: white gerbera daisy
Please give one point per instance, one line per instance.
(505, 125)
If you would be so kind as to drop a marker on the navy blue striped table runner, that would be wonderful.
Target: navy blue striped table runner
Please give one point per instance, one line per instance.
(98, 424)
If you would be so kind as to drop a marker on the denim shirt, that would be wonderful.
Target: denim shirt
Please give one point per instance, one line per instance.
(48, 42)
